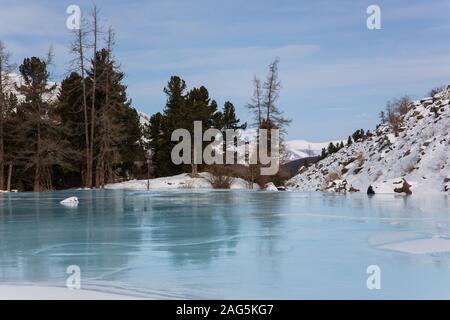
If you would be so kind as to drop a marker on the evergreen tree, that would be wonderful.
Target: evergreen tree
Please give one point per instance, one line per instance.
(198, 108)
(158, 132)
(323, 155)
(331, 148)
(40, 138)
(227, 119)
(70, 112)
(349, 141)
(118, 132)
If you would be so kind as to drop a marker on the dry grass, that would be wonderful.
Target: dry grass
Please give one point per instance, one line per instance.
(360, 158)
(410, 168)
(220, 176)
(335, 175)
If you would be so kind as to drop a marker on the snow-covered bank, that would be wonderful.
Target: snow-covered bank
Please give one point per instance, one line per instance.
(8, 292)
(181, 181)
(419, 155)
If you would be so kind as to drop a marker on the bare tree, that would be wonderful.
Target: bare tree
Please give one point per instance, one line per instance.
(272, 86)
(256, 105)
(79, 63)
(106, 125)
(6, 68)
(95, 31)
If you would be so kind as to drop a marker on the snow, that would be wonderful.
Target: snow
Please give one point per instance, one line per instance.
(299, 149)
(419, 153)
(181, 181)
(70, 202)
(420, 246)
(389, 186)
(270, 187)
(8, 292)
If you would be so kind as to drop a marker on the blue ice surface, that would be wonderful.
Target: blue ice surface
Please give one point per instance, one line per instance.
(225, 244)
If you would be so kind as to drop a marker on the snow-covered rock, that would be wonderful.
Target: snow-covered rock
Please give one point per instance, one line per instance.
(70, 202)
(390, 186)
(419, 152)
(340, 186)
(270, 187)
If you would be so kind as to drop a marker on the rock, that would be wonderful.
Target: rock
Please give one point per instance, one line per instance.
(447, 187)
(70, 202)
(391, 186)
(340, 186)
(404, 188)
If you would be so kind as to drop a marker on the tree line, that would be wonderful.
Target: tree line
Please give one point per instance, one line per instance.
(82, 132)
(183, 107)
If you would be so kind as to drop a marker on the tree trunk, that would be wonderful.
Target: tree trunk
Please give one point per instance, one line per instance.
(37, 178)
(37, 172)
(2, 149)
(88, 172)
(94, 83)
(10, 170)
(194, 170)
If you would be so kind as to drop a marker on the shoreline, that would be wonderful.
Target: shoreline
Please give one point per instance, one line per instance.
(30, 292)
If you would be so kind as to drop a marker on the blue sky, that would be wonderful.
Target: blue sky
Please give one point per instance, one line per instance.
(336, 74)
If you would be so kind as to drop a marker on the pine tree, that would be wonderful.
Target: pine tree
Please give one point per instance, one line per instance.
(43, 147)
(349, 141)
(227, 119)
(331, 148)
(70, 111)
(199, 107)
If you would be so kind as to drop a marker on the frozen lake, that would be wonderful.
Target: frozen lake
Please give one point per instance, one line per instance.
(229, 244)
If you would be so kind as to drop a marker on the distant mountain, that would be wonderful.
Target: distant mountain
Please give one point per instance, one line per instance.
(295, 149)
(300, 149)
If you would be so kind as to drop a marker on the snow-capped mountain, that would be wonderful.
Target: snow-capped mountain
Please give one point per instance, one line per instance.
(299, 149)
(295, 149)
(419, 155)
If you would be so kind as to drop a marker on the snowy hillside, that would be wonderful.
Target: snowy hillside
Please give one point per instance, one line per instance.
(419, 155)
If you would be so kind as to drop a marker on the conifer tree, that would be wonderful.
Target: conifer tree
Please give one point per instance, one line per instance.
(42, 146)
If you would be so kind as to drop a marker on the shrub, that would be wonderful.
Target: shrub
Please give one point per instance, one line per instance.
(219, 176)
